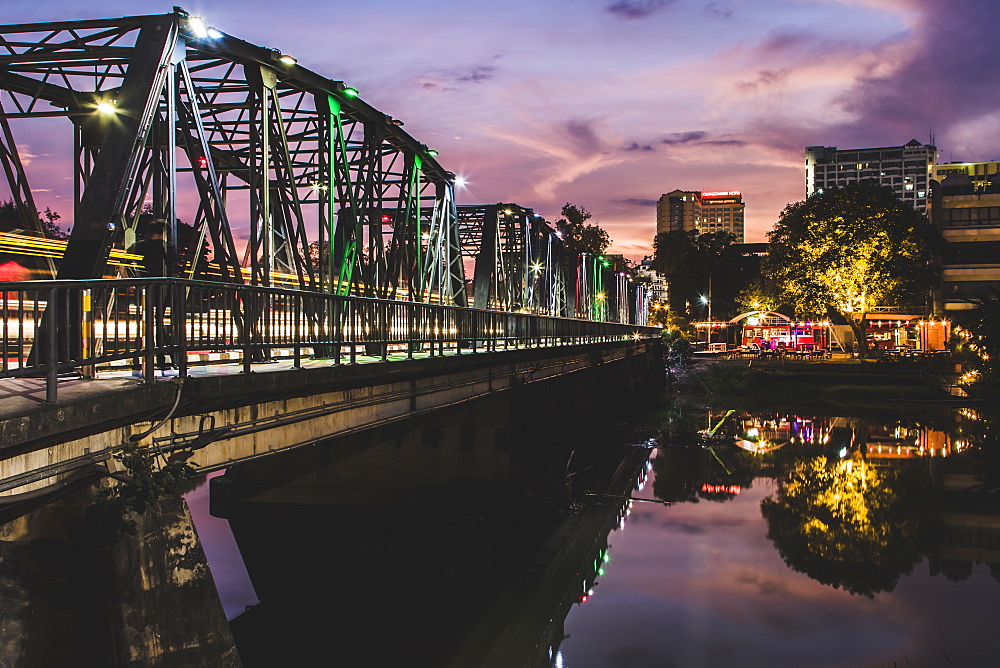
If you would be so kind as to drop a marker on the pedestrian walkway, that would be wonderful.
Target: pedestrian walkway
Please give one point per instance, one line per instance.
(23, 395)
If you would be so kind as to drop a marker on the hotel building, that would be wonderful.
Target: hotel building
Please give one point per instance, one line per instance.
(701, 211)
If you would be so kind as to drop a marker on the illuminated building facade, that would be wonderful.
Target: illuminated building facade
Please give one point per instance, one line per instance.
(659, 287)
(722, 212)
(703, 212)
(979, 173)
(969, 218)
(678, 210)
(907, 169)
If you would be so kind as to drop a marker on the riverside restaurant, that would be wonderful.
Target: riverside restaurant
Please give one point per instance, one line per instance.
(891, 333)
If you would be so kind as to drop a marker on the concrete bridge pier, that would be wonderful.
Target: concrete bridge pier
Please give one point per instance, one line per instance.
(148, 600)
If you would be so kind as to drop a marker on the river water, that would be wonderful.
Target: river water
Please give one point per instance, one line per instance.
(776, 540)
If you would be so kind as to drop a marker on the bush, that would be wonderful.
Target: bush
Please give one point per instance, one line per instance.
(677, 348)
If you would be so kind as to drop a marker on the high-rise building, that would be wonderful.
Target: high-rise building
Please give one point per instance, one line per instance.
(906, 169)
(678, 210)
(701, 211)
(969, 217)
(722, 212)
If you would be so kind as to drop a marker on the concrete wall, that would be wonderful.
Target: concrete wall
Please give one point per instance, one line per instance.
(148, 600)
(230, 418)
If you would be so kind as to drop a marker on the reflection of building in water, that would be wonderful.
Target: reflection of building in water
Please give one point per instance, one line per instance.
(902, 442)
(721, 489)
(966, 539)
(765, 432)
(963, 538)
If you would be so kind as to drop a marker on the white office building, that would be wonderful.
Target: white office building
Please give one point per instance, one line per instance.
(906, 169)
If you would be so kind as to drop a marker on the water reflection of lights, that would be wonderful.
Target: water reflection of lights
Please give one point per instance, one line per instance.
(759, 446)
(721, 489)
(762, 433)
(768, 432)
(640, 482)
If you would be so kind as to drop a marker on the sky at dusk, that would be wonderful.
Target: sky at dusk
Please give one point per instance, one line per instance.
(610, 103)
(701, 584)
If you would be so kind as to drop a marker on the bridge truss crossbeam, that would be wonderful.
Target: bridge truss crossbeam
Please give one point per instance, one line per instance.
(329, 193)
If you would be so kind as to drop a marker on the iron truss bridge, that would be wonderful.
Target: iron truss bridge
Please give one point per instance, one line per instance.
(137, 326)
(269, 175)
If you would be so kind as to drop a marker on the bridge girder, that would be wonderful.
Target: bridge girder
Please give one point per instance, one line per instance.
(331, 193)
(519, 259)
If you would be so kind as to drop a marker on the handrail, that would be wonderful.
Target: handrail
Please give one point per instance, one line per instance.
(86, 327)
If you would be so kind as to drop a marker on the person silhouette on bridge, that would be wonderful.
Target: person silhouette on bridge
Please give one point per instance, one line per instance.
(159, 260)
(159, 257)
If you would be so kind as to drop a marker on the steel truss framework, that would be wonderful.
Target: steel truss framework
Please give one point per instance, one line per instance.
(604, 292)
(518, 259)
(334, 195)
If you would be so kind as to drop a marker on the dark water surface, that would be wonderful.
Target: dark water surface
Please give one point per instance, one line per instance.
(783, 540)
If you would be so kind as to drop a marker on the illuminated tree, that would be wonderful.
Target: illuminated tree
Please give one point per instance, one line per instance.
(760, 295)
(677, 348)
(848, 249)
(977, 344)
(848, 525)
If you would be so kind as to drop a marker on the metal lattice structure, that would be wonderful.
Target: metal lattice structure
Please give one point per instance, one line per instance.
(332, 194)
(518, 259)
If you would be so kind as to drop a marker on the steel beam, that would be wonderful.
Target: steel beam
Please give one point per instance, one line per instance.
(101, 204)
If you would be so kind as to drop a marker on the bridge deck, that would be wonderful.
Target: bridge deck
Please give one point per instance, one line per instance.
(237, 416)
(20, 396)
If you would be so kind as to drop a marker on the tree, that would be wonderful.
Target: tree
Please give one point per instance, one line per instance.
(10, 219)
(691, 261)
(49, 227)
(677, 348)
(760, 295)
(579, 237)
(977, 344)
(849, 525)
(848, 249)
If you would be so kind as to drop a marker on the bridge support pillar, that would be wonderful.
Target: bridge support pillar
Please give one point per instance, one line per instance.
(147, 600)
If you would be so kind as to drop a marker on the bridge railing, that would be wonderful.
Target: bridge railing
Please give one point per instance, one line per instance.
(54, 329)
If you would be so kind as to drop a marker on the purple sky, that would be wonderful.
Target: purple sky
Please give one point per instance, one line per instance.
(610, 103)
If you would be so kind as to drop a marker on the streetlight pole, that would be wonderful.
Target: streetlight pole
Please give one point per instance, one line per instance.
(710, 309)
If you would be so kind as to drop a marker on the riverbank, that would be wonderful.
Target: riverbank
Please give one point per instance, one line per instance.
(752, 385)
